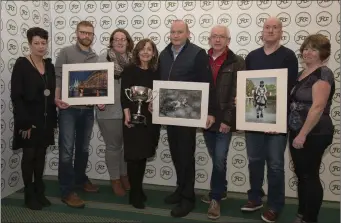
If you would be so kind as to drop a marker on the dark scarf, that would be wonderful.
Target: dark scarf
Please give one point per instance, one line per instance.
(119, 62)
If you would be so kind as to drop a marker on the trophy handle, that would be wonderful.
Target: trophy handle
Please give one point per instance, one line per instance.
(126, 90)
(152, 96)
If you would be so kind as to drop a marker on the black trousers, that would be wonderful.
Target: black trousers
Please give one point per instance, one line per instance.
(32, 164)
(307, 163)
(182, 148)
(135, 170)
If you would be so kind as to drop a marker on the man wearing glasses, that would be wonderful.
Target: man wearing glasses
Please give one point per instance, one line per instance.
(224, 65)
(75, 122)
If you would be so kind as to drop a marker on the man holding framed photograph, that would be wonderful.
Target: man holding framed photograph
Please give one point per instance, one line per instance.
(75, 122)
(269, 146)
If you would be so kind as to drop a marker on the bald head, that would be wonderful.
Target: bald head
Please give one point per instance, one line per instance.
(272, 31)
(179, 33)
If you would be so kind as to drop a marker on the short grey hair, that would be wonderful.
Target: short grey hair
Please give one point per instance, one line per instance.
(227, 30)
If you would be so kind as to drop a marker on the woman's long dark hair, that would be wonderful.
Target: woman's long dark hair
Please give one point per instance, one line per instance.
(139, 46)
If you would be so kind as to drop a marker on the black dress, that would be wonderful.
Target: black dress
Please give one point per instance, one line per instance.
(140, 141)
(31, 106)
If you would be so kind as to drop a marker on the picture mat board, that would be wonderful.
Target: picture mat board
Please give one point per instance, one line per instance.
(281, 100)
(110, 99)
(199, 123)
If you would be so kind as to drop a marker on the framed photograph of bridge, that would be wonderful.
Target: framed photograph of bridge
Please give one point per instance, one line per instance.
(262, 100)
(180, 103)
(88, 83)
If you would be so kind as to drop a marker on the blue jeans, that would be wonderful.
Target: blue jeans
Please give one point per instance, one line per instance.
(75, 128)
(218, 145)
(263, 147)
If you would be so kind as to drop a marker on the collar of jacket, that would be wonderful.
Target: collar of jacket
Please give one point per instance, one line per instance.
(169, 47)
(230, 59)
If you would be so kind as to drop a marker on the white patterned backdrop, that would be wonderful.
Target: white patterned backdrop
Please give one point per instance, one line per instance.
(152, 19)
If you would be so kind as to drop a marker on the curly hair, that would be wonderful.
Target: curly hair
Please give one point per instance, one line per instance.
(139, 46)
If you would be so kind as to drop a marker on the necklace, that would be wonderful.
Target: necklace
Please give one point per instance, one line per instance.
(44, 78)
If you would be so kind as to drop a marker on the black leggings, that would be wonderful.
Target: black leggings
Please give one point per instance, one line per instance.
(33, 163)
(135, 170)
(307, 163)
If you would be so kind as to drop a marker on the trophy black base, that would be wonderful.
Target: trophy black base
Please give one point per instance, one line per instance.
(137, 119)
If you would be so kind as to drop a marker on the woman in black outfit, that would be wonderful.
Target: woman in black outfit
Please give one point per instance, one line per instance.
(310, 125)
(139, 140)
(35, 115)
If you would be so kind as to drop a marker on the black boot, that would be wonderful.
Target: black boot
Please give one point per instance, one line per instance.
(30, 198)
(40, 193)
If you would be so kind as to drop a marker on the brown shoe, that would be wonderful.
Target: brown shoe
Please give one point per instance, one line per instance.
(269, 216)
(117, 188)
(125, 182)
(72, 200)
(89, 187)
(214, 210)
(251, 206)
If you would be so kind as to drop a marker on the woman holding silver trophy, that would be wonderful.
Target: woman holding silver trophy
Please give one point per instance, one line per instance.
(140, 136)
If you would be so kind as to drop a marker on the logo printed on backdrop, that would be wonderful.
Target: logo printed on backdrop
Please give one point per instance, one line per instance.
(336, 96)
(24, 12)
(238, 143)
(238, 161)
(75, 6)
(171, 6)
(244, 20)
(166, 38)
(154, 21)
(137, 22)
(261, 18)
(59, 7)
(238, 178)
(53, 163)
(191, 37)
(166, 156)
(337, 37)
(169, 20)
(293, 182)
(3, 145)
(99, 136)
(322, 168)
(105, 22)
(23, 30)
(154, 6)
(188, 5)
(285, 18)
(303, 3)
(105, 6)
(224, 19)
(200, 141)
(337, 131)
(11, 124)
(90, 150)
(2, 184)
(2, 67)
(291, 166)
(164, 139)
(337, 56)
(101, 167)
(46, 20)
(325, 4)
(206, 5)
(206, 21)
(285, 38)
(3, 126)
(303, 19)
(36, 3)
(60, 38)
(244, 4)
(11, 142)
(14, 161)
(150, 171)
(54, 149)
(2, 84)
(203, 38)
(121, 6)
(334, 187)
(337, 74)
(3, 165)
(121, 22)
(243, 38)
(225, 5)
(155, 37)
(74, 21)
(137, 37)
(104, 38)
(300, 36)
(201, 158)
(243, 53)
(11, 8)
(100, 151)
(60, 22)
(12, 27)
(46, 5)
(93, 21)
(13, 179)
(166, 172)
(90, 6)
(334, 168)
(137, 6)
(88, 167)
(264, 4)
(325, 33)
(3, 106)
(201, 176)
(335, 113)
(189, 19)
(323, 18)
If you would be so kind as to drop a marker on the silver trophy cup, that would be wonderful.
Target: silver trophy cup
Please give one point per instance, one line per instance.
(139, 94)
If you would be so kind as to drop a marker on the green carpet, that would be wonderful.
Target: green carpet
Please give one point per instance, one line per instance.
(104, 205)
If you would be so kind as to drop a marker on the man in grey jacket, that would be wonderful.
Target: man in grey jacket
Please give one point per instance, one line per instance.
(75, 122)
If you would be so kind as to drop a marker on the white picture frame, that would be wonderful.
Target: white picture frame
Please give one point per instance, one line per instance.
(180, 103)
(75, 75)
(252, 115)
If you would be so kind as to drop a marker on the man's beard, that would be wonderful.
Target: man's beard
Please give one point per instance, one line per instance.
(85, 42)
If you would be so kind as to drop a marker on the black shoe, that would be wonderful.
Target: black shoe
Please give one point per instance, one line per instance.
(144, 196)
(40, 193)
(30, 198)
(182, 209)
(173, 198)
(136, 200)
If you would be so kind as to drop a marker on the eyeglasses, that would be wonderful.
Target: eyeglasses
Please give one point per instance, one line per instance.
(86, 33)
(218, 37)
(120, 40)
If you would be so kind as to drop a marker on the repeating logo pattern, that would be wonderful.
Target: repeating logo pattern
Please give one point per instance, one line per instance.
(152, 19)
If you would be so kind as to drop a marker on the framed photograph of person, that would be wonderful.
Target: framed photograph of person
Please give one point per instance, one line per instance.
(262, 100)
(88, 83)
(180, 103)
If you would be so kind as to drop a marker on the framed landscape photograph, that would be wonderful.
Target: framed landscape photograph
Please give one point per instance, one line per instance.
(262, 100)
(88, 83)
(180, 103)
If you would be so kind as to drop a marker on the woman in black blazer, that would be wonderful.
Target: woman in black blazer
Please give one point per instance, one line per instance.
(35, 115)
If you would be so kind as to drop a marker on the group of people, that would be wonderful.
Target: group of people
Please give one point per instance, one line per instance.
(36, 90)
